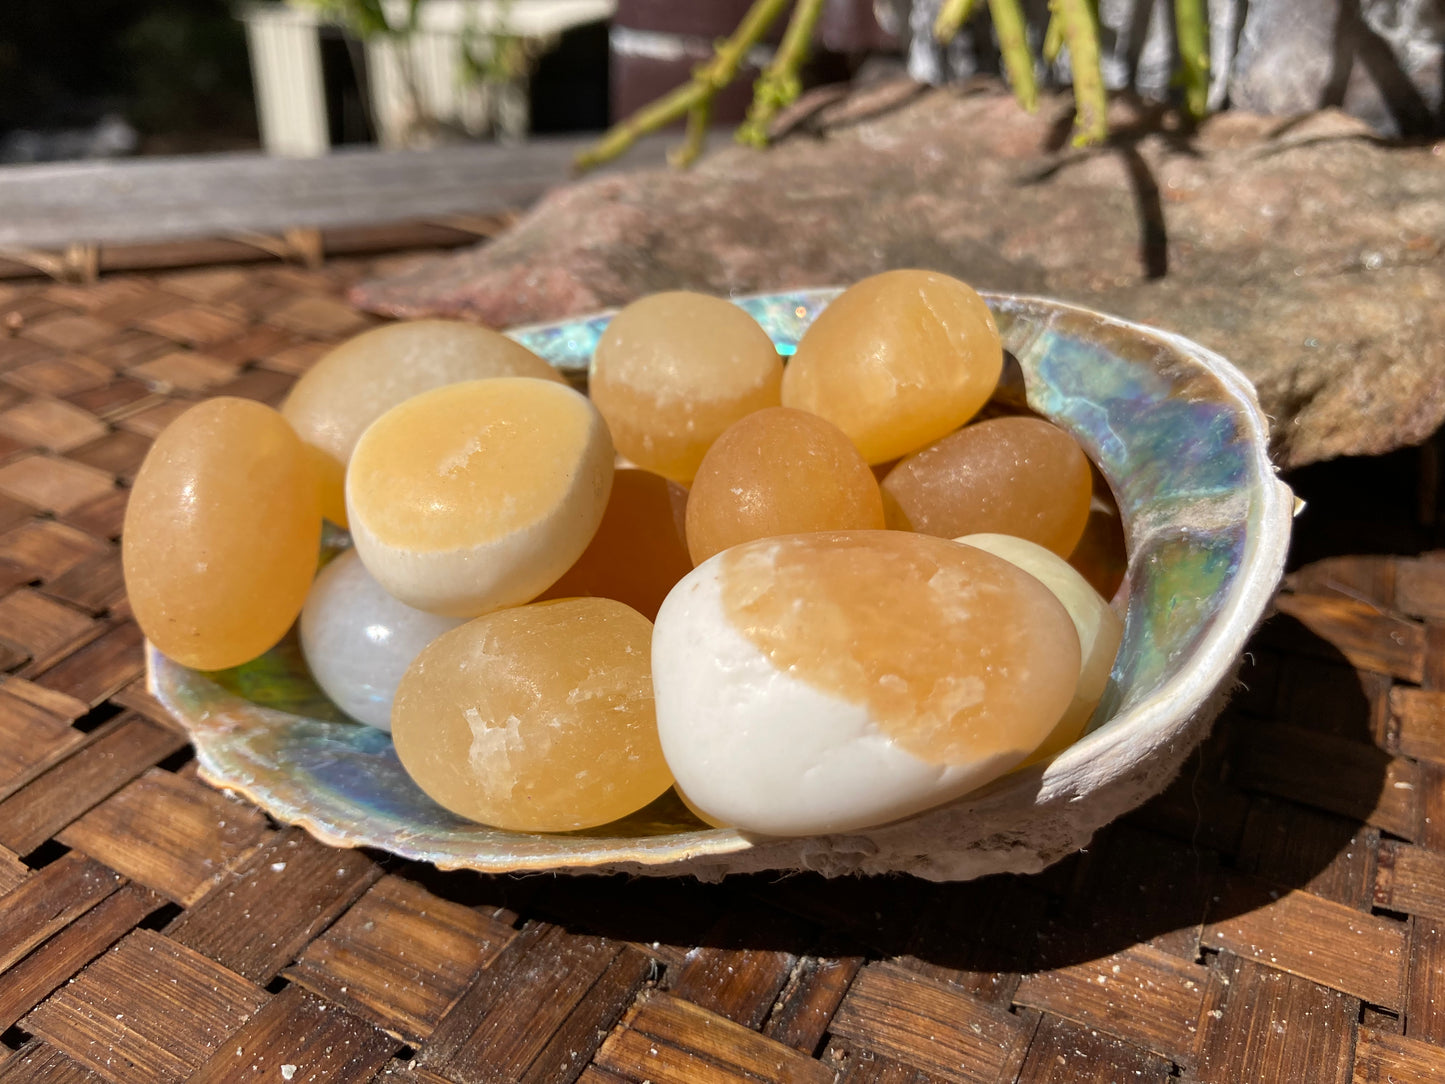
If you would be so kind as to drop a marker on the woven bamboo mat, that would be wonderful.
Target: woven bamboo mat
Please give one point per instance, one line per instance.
(1278, 915)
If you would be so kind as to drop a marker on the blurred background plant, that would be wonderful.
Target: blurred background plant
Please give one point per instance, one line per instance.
(492, 65)
(97, 78)
(1071, 33)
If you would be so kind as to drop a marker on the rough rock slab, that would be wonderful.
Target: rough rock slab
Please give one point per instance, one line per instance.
(1308, 251)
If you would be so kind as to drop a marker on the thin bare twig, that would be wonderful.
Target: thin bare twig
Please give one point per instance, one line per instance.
(951, 18)
(1013, 44)
(710, 78)
(1192, 33)
(779, 84)
(1091, 120)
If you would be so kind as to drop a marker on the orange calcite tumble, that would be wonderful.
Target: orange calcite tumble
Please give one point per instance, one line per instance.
(535, 719)
(896, 361)
(1099, 629)
(958, 654)
(478, 495)
(1100, 557)
(638, 553)
(673, 370)
(779, 471)
(222, 534)
(360, 380)
(1019, 476)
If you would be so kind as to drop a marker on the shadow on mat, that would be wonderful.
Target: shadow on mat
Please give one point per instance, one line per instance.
(1242, 815)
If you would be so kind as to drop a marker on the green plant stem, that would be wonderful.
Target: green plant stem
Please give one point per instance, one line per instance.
(711, 77)
(1053, 39)
(698, 119)
(1013, 43)
(779, 84)
(1091, 120)
(951, 18)
(1192, 32)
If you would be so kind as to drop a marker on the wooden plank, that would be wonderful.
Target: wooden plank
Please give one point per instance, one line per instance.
(1136, 885)
(1420, 587)
(1382, 1058)
(52, 424)
(400, 957)
(1265, 1025)
(856, 1066)
(1333, 773)
(262, 385)
(93, 586)
(1326, 942)
(58, 704)
(48, 900)
(47, 549)
(149, 1011)
(33, 979)
(409, 1072)
(118, 400)
(118, 453)
(1146, 996)
(260, 917)
(66, 330)
(978, 935)
(1364, 578)
(12, 873)
(1325, 855)
(59, 376)
(298, 1038)
(1411, 879)
(1064, 1053)
(1371, 639)
(53, 484)
(929, 1025)
(169, 833)
(661, 917)
(135, 697)
(31, 740)
(503, 1022)
(1430, 784)
(101, 667)
(117, 752)
(1425, 982)
(1329, 696)
(41, 1063)
(668, 1041)
(42, 626)
(582, 1033)
(156, 199)
(807, 1004)
(729, 976)
(1418, 722)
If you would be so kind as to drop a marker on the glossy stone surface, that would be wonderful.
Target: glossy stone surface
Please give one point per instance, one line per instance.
(360, 380)
(479, 495)
(638, 552)
(358, 640)
(779, 471)
(221, 534)
(673, 370)
(537, 718)
(830, 682)
(1099, 629)
(898, 360)
(1018, 476)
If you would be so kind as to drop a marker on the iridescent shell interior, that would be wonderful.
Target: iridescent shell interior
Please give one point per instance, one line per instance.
(1178, 434)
